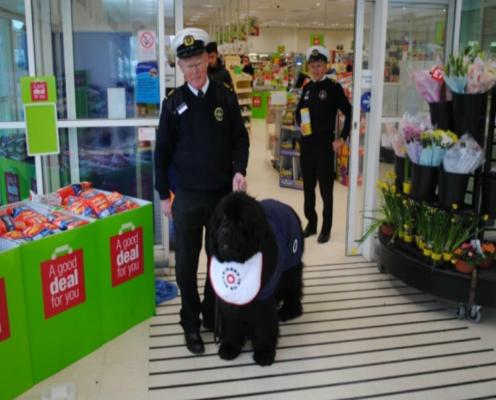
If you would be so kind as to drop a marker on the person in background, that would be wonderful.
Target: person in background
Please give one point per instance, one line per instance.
(216, 69)
(316, 114)
(202, 139)
(247, 67)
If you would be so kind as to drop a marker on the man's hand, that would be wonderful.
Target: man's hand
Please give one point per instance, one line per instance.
(337, 144)
(239, 183)
(166, 207)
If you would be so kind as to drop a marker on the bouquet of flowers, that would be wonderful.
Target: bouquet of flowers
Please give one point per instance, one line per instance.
(411, 127)
(430, 84)
(433, 146)
(471, 72)
(464, 157)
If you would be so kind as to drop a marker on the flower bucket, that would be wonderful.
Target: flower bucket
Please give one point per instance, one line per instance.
(436, 256)
(442, 115)
(463, 267)
(469, 114)
(387, 230)
(447, 257)
(426, 252)
(452, 188)
(488, 205)
(399, 171)
(408, 238)
(424, 182)
(407, 187)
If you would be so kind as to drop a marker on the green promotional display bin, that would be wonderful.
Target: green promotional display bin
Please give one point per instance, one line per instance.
(62, 298)
(15, 362)
(126, 272)
(260, 104)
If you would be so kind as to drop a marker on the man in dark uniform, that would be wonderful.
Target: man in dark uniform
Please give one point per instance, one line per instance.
(316, 113)
(216, 69)
(202, 139)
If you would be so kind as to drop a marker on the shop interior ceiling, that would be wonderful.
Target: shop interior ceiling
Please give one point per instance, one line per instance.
(326, 14)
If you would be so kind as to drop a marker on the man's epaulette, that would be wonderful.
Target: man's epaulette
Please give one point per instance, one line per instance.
(170, 92)
(228, 86)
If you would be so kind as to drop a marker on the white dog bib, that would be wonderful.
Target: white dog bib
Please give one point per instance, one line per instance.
(237, 283)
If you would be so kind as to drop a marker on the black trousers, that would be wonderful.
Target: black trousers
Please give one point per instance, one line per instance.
(317, 165)
(191, 212)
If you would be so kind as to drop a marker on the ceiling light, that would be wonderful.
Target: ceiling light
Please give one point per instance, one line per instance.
(318, 4)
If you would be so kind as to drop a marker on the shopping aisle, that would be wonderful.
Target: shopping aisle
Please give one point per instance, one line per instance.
(363, 335)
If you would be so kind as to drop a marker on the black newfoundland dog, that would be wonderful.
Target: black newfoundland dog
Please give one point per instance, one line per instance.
(255, 251)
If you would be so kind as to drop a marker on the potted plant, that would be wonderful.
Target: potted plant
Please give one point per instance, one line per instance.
(459, 228)
(488, 250)
(387, 216)
(466, 258)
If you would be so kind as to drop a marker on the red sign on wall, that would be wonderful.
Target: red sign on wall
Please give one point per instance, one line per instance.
(256, 101)
(39, 91)
(62, 282)
(126, 256)
(4, 312)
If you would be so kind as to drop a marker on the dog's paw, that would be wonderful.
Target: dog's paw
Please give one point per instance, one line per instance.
(264, 357)
(287, 313)
(227, 352)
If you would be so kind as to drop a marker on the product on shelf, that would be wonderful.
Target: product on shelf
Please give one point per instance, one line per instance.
(25, 223)
(82, 200)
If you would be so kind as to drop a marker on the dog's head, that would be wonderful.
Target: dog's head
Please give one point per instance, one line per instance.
(237, 229)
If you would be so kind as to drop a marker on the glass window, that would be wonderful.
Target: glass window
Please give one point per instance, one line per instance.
(17, 171)
(415, 39)
(115, 58)
(115, 55)
(13, 58)
(477, 25)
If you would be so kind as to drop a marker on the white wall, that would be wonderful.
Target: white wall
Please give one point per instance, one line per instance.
(297, 40)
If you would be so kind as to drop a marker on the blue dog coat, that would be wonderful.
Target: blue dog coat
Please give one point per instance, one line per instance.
(287, 231)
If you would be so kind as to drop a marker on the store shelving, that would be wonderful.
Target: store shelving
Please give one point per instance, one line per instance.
(290, 175)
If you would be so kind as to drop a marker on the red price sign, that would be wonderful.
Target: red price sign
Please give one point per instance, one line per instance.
(4, 312)
(256, 101)
(126, 256)
(62, 281)
(39, 91)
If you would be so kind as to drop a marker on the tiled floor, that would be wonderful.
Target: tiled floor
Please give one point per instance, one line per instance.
(363, 335)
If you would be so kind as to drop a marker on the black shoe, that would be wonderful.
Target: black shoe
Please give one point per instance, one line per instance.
(323, 237)
(309, 231)
(194, 342)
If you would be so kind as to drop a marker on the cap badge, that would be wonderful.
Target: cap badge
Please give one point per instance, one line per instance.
(188, 40)
(315, 52)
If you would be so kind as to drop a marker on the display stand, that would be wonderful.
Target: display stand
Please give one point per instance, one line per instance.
(290, 174)
(242, 87)
(471, 291)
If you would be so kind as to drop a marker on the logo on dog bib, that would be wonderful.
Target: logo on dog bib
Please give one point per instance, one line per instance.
(236, 283)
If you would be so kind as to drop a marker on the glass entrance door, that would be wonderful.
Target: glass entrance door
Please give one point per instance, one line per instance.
(392, 38)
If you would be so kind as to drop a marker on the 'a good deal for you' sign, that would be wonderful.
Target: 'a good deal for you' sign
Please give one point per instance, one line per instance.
(39, 95)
